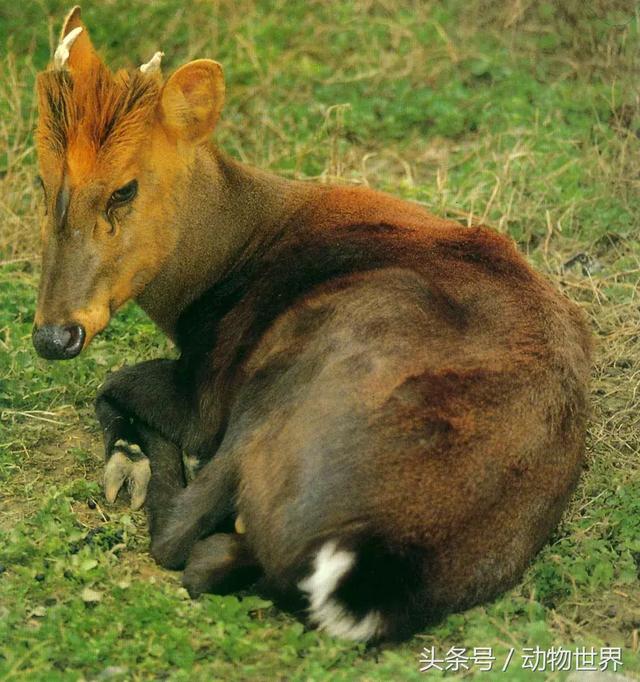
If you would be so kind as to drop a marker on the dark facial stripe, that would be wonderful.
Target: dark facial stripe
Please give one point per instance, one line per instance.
(62, 205)
(57, 88)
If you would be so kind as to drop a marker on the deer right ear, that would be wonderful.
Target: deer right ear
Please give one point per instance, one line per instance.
(192, 99)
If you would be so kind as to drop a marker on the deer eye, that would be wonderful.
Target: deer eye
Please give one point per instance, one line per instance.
(125, 194)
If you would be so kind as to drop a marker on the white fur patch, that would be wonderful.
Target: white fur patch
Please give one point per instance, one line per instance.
(329, 566)
(61, 55)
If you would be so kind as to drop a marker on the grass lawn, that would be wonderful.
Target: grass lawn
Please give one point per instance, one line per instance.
(521, 114)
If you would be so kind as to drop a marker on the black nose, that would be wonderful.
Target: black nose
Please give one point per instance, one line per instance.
(58, 343)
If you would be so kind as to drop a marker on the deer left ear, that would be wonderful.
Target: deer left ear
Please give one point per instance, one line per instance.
(77, 52)
(192, 99)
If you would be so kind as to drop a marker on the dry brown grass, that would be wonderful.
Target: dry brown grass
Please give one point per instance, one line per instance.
(18, 200)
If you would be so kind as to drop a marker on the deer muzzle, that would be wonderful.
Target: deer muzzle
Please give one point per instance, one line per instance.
(56, 342)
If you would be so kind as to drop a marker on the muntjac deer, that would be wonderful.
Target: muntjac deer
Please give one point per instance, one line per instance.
(390, 406)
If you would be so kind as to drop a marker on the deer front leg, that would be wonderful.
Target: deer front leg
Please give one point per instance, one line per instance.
(197, 511)
(167, 478)
(143, 416)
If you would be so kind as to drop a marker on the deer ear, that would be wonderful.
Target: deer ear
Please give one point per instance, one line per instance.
(80, 55)
(192, 99)
(72, 20)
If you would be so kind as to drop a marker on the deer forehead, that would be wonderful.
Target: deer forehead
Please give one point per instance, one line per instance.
(100, 120)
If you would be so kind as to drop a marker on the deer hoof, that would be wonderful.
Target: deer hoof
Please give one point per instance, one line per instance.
(127, 464)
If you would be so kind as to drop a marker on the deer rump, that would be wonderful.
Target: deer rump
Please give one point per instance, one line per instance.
(406, 415)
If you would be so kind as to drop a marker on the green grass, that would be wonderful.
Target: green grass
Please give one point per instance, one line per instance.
(523, 115)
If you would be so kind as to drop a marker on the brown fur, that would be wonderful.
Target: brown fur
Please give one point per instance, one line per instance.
(372, 372)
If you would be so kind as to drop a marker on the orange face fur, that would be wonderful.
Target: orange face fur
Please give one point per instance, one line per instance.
(113, 150)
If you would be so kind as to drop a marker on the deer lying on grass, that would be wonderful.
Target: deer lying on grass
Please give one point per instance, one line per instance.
(393, 404)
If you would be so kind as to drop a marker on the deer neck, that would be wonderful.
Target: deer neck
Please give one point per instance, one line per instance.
(226, 210)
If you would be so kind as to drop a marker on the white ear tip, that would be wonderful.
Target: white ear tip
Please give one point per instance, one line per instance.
(153, 65)
(61, 55)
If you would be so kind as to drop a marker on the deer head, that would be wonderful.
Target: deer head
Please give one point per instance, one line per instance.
(113, 153)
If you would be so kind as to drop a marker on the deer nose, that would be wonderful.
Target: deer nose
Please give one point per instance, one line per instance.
(55, 342)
